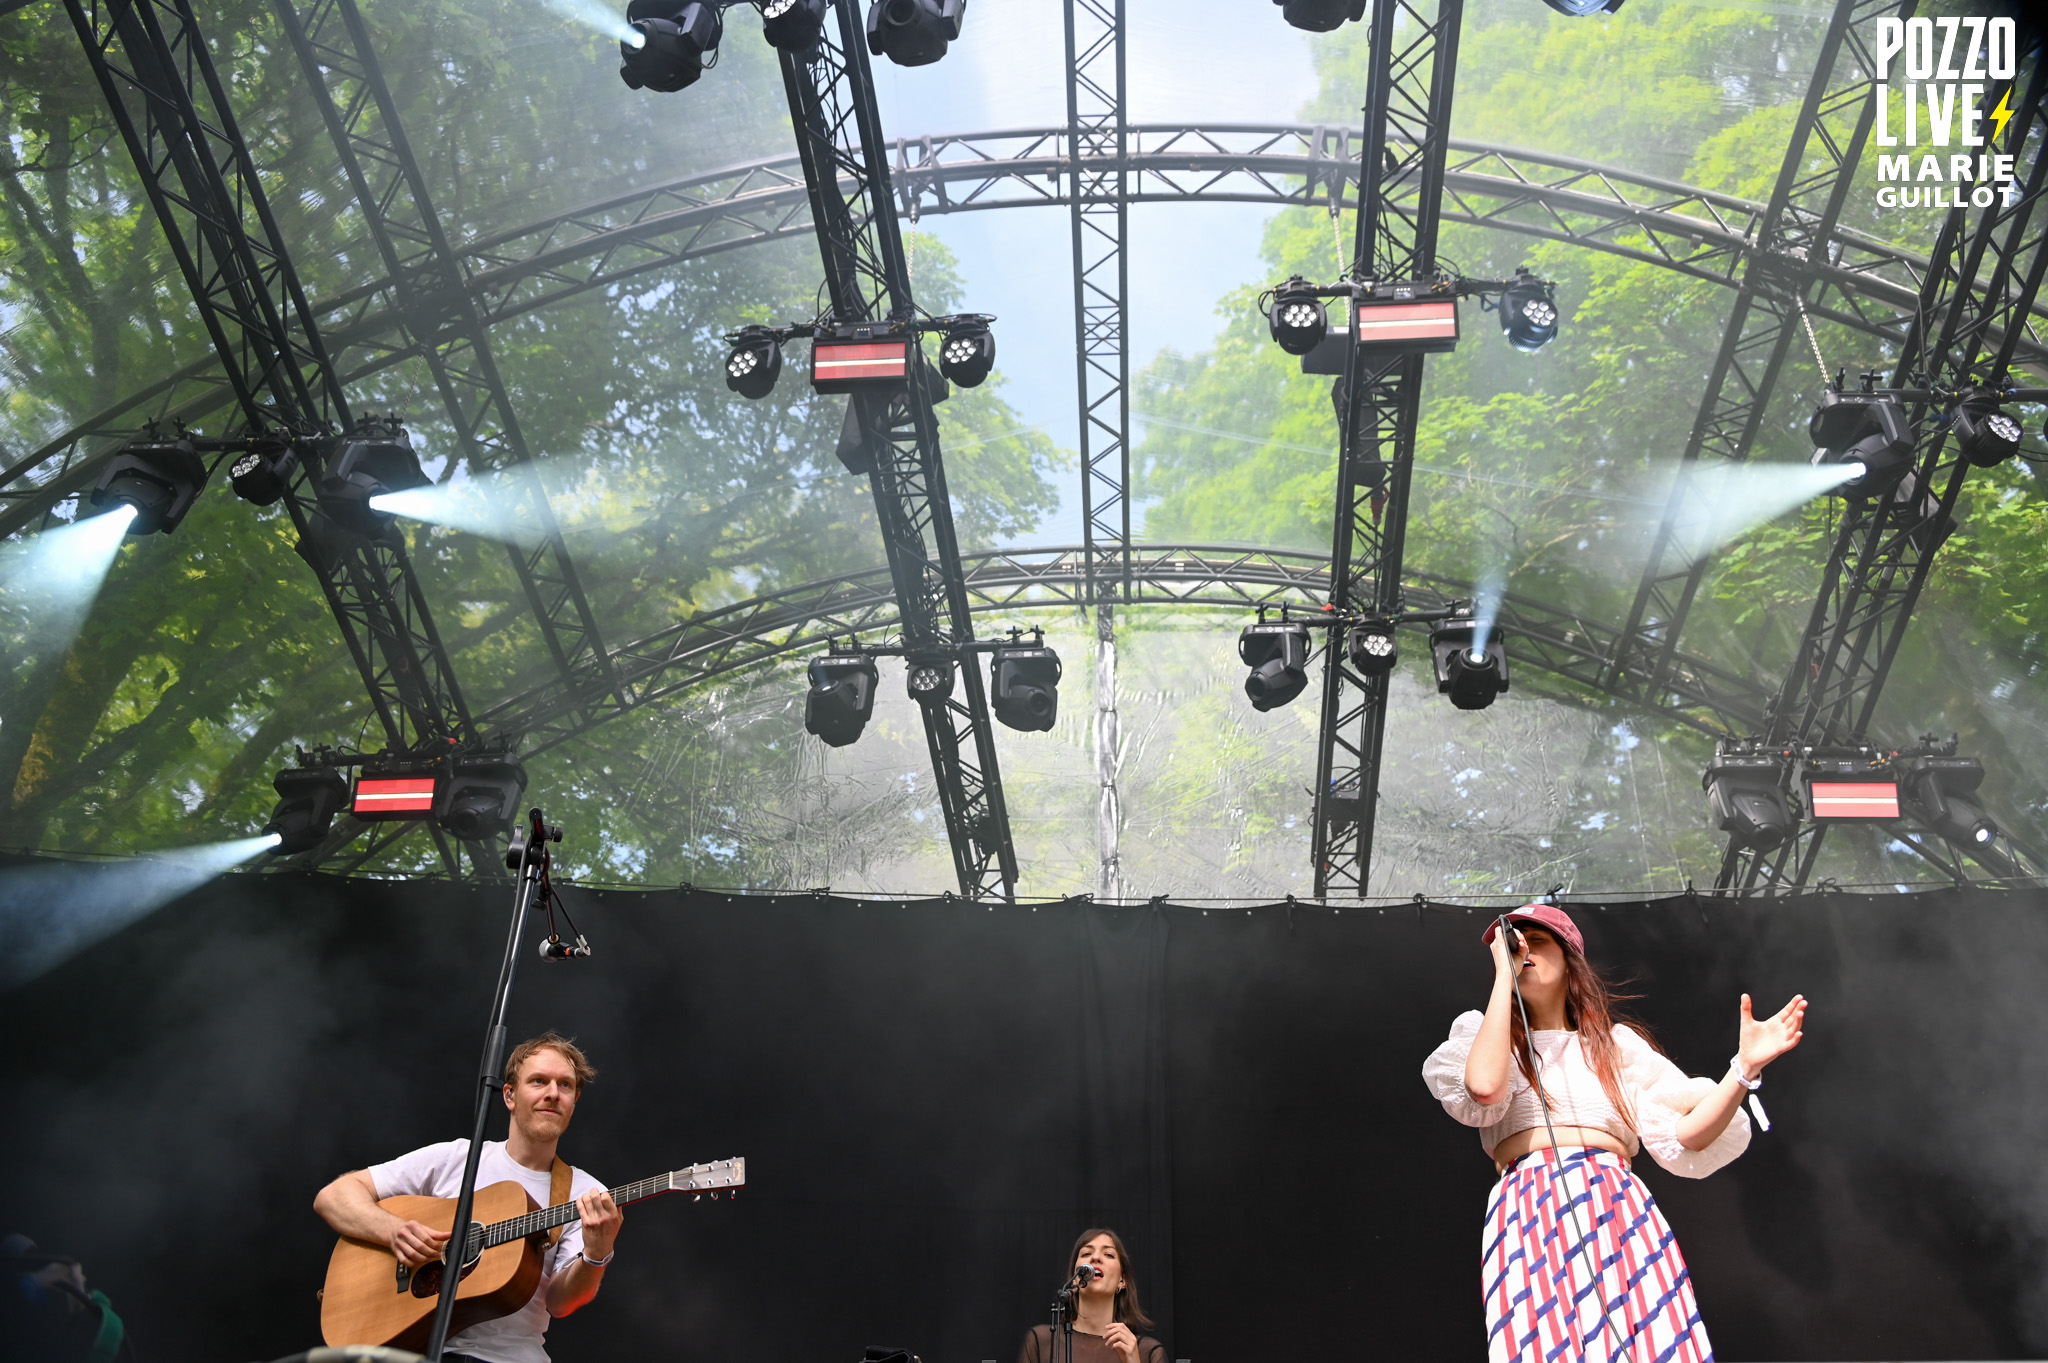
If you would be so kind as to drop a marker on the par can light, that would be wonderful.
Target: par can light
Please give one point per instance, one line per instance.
(1320, 16)
(754, 362)
(263, 474)
(1297, 321)
(1986, 436)
(929, 680)
(1372, 648)
(968, 353)
(1528, 312)
(793, 25)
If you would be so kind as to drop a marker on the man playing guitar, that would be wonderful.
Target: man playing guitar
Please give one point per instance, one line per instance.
(544, 1078)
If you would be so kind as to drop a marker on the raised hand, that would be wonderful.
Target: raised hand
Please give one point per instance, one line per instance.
(1119, 1337)
(1763, 1041)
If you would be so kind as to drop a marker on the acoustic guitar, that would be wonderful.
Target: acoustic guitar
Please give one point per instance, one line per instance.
(372, 1298)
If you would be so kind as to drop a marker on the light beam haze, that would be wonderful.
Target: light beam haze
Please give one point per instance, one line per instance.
(50, 913)
(49, 581)
(1729, 500)
(598, 17)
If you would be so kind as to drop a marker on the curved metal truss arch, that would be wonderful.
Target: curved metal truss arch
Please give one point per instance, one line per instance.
(1870, 286)
(1562, 645)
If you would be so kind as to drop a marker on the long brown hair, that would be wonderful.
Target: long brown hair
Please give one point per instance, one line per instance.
(1127, 1309)
(1589, 1010)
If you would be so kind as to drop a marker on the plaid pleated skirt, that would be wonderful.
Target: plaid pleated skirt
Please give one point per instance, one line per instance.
(1578, 1264)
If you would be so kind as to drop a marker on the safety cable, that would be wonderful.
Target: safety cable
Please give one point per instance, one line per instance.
(1799, 297)
(1508, 935)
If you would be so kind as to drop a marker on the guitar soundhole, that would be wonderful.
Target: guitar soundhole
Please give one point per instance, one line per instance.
(426, 1280)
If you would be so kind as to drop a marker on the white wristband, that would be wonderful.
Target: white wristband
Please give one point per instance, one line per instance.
(1742, 1076)
(597, 1263)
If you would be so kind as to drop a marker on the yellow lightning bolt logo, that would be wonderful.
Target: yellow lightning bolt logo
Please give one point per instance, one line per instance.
(2003, 113)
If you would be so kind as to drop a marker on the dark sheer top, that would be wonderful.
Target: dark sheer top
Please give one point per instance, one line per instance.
(1087, 1348)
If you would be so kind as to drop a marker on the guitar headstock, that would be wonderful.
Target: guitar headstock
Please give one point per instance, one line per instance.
(716, 1177)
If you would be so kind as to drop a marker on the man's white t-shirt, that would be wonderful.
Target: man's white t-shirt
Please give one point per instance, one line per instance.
(436, 1171)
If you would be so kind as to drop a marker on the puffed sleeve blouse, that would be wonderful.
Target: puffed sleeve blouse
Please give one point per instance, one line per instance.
(1659, 1092)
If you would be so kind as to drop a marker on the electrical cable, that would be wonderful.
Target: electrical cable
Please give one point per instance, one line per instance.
(1536, 1071)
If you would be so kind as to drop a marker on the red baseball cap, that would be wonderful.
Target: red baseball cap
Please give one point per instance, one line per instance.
(1543, 916)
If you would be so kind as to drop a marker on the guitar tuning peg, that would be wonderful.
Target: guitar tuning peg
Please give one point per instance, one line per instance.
(696, 1197)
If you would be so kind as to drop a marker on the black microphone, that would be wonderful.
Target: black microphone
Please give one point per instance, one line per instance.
(1086, 1274)
(1511, 937)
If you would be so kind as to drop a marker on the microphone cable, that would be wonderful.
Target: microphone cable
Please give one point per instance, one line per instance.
(1508, 935)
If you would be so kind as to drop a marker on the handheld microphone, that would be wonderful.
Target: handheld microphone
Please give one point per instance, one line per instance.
(1511, 937)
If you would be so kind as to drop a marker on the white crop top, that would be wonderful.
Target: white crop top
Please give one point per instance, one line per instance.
(1658, 1090)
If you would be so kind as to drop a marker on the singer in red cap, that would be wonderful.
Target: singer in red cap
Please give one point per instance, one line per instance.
(1577, 1262)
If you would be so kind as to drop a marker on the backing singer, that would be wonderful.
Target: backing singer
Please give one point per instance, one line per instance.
(1106, 1311)
(1609, 1092)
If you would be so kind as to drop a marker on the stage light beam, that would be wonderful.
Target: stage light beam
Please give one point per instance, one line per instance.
(49, 581)
(1729, 500)
(598, 18)
(50, 913)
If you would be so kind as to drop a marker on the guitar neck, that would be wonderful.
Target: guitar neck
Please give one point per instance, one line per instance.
(547, 1218)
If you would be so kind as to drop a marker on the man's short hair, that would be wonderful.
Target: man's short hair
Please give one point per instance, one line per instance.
(550, 1041)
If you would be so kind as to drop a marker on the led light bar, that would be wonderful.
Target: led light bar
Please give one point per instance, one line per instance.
(393, 797)
(1423, 326)
(841, 366)
(1853, 799)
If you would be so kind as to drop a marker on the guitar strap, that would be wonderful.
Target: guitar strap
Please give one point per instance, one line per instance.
(558, 1193)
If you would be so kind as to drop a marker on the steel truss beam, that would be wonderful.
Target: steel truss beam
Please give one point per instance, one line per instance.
(1764, 323)
(1414, 61)
(437, 315)
(1098, 144)
(846, 173)
(159, 80)
(1982, 279)
(1550, 641)
(1869, 286)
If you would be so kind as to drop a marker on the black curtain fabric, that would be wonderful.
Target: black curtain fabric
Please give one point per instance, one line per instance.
(935, 1097)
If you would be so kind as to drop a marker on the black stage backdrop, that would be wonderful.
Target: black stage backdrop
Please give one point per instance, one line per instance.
(934, 1097)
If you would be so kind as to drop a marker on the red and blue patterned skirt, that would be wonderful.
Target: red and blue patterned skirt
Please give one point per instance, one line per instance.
(1579, 1266)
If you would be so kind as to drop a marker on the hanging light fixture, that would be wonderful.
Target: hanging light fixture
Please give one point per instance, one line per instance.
(1277, 653)
(1469, 669)
(841, 698)
(480, 795)
(376, 458)
(1987, 436)
(1750, 800)
(667, 50)
(929, 679)
(263, 474)
(913, 32)
(969, 351)
(793, 25)
(308, 798)
(1528, 311)
(1320, 16)
(1941, 791)
(157, 479)
(754, 362)
(1867, 433)
(1297, 319)
(1024, 685)
(1372, 648)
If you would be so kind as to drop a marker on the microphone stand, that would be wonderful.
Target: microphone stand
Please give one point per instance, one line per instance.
(1062, 1324)
(529, 856)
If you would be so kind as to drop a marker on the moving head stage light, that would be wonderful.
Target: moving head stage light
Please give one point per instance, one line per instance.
(672, 42)
(308, 798)
(1320, 16)
(1748, 795)
(1867, 431)
(376, 457)
(158, 480)
(841, 698)
(1024, 683)
(913, 32)
(1940, 790)
(1277, 653)
(1296, 317)
(1470, 673)
(754, 363)
(968, 352)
